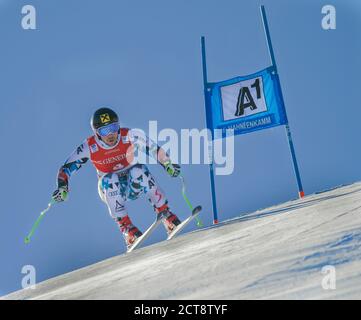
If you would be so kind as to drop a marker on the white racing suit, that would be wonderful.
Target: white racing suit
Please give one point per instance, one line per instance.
(115, 189)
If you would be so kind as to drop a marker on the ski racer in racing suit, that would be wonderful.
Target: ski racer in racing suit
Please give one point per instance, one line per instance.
(112, 150)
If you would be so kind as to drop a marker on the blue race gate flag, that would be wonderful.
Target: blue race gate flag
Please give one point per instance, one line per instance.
(247, 103)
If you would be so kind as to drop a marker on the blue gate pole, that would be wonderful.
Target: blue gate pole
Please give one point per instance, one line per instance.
(288, 130)
(210, 143)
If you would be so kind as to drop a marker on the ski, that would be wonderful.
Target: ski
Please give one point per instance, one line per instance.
(180, 227)
(157, 222)
(146, 234)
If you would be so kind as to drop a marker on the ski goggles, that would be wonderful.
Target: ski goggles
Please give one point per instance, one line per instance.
(110, 128)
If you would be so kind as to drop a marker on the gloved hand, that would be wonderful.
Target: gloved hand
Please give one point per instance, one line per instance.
(60, 194)
(172, 169)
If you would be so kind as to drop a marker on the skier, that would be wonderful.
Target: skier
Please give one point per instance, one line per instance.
(112, 151)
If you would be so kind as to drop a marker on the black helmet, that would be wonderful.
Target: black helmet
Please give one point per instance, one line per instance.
(103, 117)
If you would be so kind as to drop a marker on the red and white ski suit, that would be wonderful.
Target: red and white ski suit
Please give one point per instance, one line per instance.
(121, 176)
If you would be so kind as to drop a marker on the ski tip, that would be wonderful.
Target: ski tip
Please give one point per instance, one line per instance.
(196, 210)
(26, 240)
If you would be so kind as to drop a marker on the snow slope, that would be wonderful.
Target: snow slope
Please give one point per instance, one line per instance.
(275, 253)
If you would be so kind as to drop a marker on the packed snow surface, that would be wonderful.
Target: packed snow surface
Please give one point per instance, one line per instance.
(289, 251)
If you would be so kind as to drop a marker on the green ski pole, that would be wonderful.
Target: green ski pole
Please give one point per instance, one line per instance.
(41, 216)
(199, 221)
(35, 226)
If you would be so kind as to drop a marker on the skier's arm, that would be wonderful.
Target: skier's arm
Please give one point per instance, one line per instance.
(155, 151)
(76, 160)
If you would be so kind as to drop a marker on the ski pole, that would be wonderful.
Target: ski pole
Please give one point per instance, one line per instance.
(41, 216)
(199, 221)
(64, 195)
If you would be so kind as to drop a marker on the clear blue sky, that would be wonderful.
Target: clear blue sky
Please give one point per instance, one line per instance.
(143, 59)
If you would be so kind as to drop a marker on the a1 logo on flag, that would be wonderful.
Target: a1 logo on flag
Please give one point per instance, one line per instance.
(243, 99)
(246, 103)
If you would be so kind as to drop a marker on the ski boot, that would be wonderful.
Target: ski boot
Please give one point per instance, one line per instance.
(129, 231)
(169, 219)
